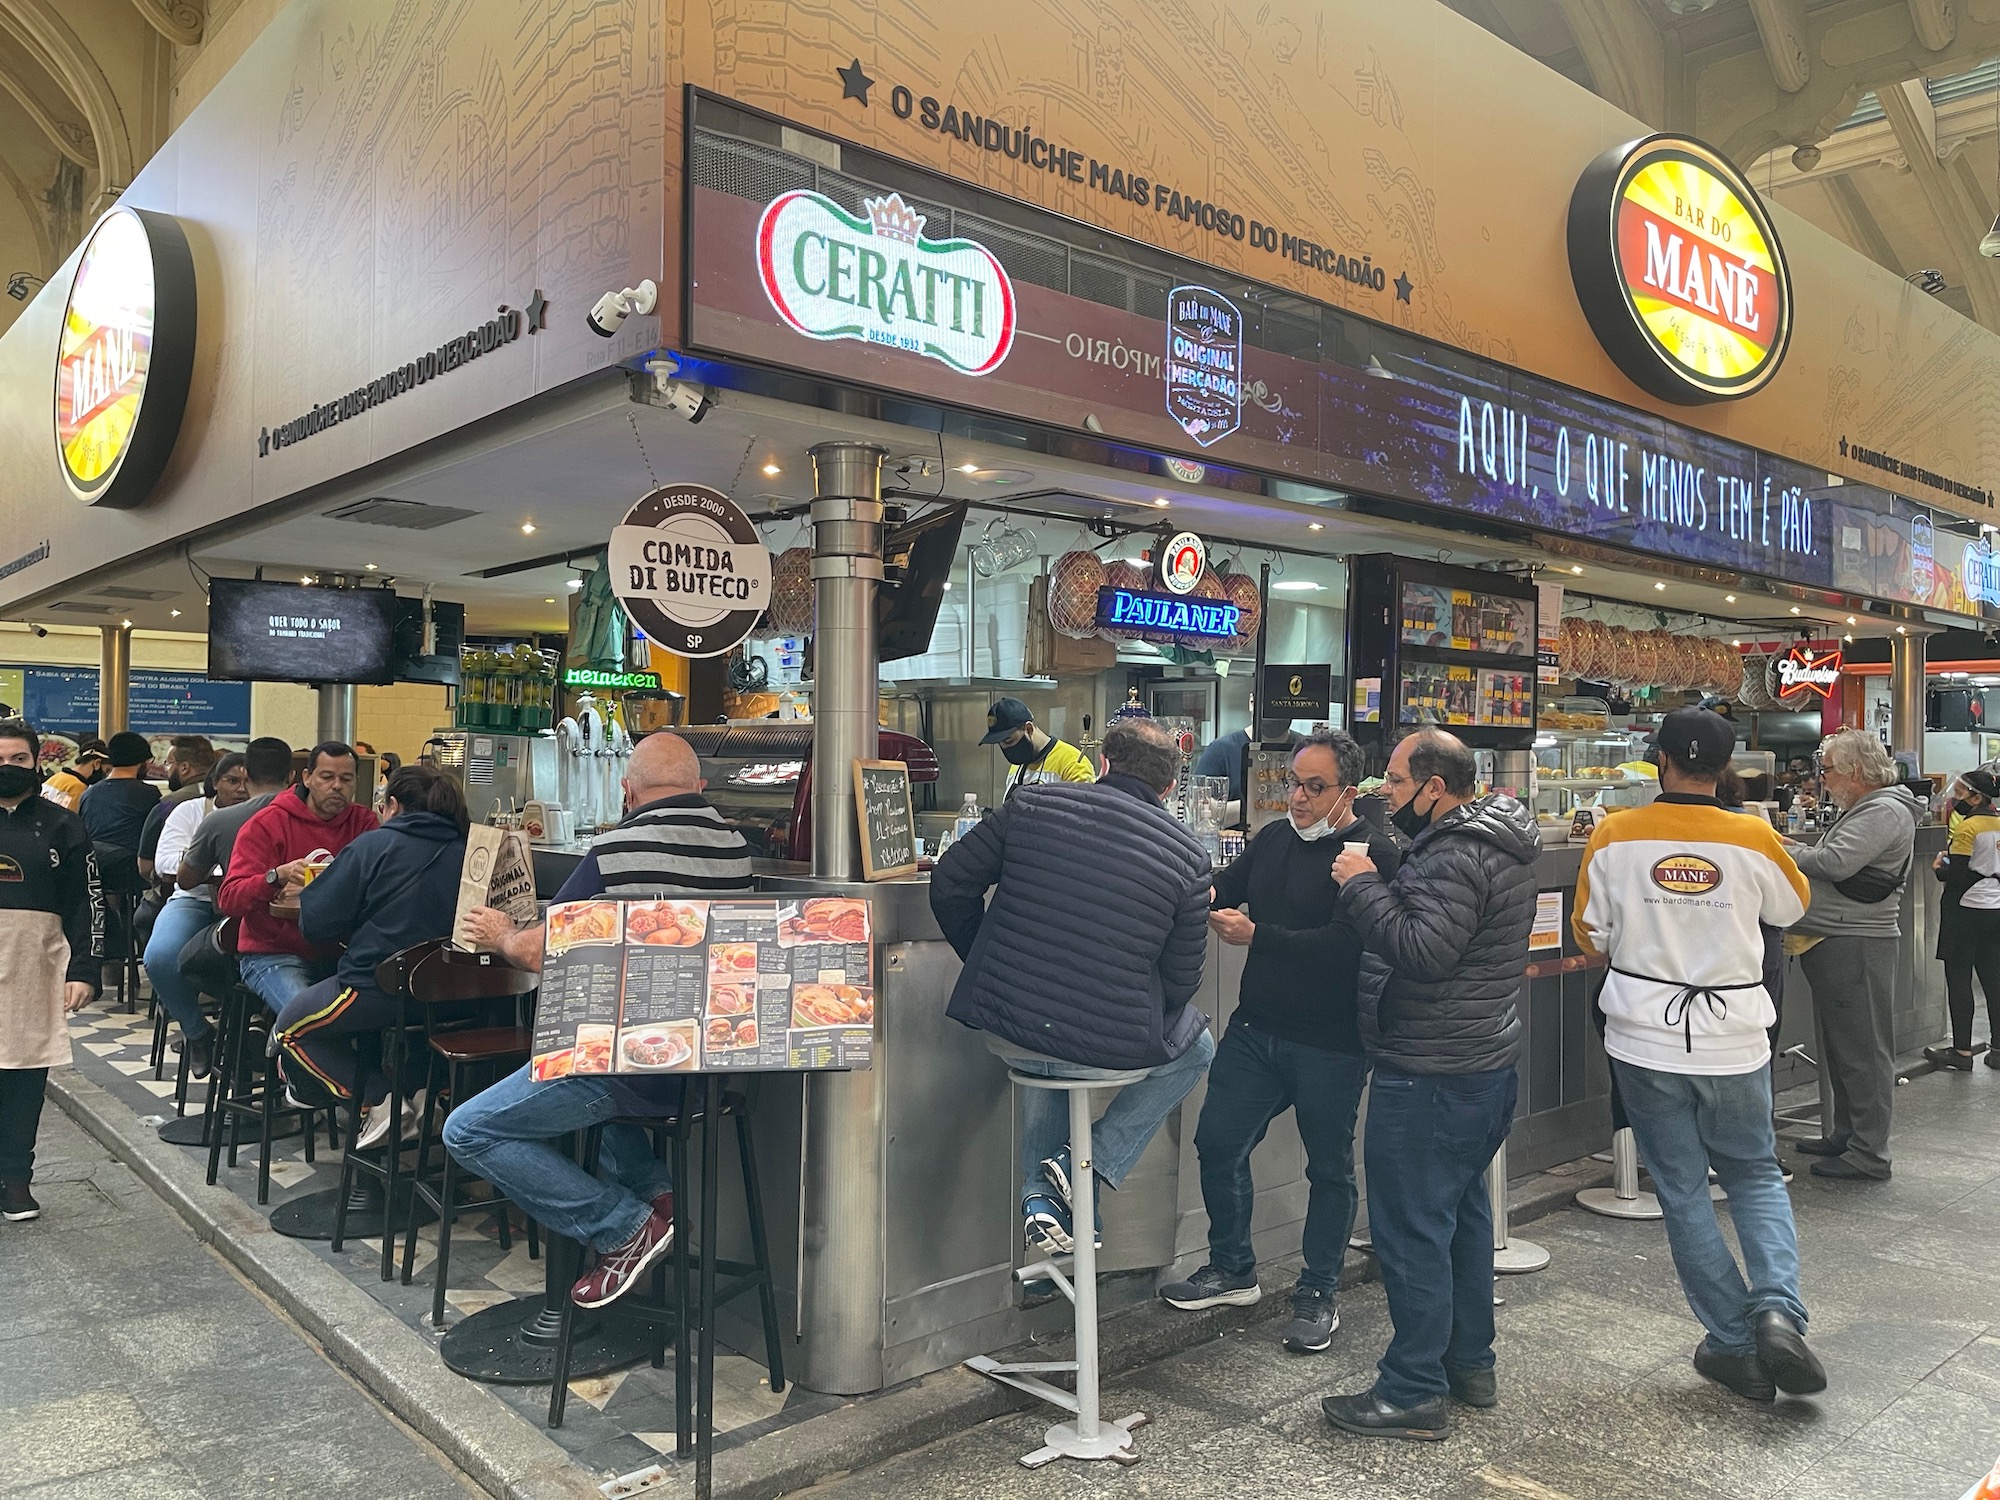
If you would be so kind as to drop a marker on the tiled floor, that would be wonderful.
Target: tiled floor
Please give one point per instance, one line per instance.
(135, 1366)
(615, 1424)
(1598, 1398)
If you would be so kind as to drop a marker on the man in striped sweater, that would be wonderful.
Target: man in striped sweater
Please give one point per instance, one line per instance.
(671, 841)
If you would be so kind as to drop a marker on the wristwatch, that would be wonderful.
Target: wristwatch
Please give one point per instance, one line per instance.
(271, 877)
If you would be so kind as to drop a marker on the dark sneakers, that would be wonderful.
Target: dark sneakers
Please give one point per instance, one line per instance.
(1993, 1057)
(1314, 1320)
(1209, 1287)
(1479, 1388)
(619, 1270)
(1948, 1057)
(1368, 1415)
(1782, 1351)
(1740, 1372)
(17, 1204)
(1842, 1170)
(1814, 1145)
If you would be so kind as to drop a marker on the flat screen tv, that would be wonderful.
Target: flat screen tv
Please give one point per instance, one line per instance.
(906, 612)
(294, 632)
(441, 666)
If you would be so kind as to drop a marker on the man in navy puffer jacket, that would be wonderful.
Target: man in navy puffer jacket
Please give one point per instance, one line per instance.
(1088, 959)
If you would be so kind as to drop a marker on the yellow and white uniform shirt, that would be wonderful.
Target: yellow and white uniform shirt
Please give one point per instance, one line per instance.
(1977, 840)
(1672, 894)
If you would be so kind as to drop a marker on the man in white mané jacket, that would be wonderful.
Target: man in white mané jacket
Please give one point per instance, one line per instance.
(1673, 894)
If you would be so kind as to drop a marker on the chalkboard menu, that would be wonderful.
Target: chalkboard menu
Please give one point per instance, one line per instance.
(888, 828)
(752, 986)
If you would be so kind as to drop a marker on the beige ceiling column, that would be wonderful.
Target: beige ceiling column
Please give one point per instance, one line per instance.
(40, 28)
(1625, 52)
(1960, 219)
(1781, 25)
(70, 137)
(1936, 22)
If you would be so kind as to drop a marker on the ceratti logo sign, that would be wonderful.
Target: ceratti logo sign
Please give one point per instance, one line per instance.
(1679, 270)
(831, 275)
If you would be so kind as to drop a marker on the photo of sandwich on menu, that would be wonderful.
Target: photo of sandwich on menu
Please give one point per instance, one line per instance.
(689, 986)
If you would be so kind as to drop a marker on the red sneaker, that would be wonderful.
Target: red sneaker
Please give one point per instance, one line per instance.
(664, 1205)
(618, 1271)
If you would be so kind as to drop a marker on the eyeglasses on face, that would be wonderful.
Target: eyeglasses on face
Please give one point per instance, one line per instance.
(1312, 786)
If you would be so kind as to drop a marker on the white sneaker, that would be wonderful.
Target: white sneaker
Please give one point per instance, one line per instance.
(374, 1125)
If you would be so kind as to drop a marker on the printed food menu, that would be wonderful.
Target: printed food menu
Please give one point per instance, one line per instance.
(689, 986)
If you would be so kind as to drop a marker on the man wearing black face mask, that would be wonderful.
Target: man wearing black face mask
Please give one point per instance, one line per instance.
(1446, 944)
(1035, 755)
(51, 931)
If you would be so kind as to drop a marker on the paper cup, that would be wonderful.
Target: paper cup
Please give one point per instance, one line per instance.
(1358, 846)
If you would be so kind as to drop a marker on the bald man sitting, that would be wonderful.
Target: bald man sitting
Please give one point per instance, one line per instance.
(671, 843)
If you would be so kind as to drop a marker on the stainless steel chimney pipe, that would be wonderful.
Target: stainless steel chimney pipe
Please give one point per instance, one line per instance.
(846, 572)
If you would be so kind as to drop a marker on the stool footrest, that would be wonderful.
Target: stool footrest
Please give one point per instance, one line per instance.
(1038, 1388)
(1047, 1270)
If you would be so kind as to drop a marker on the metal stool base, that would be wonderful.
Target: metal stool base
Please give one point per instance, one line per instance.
(514, 1344)
(1519, 1258)
(1113, 1441)
(310, 1216)
(1605, 1201)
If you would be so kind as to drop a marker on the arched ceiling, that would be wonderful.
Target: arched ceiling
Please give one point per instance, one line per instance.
(1878, 120)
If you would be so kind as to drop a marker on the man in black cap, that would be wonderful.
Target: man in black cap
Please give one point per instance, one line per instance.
(115, 809)
(1675, 896)
(1036, 755)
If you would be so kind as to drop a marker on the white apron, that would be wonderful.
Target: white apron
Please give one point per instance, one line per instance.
(34, 957)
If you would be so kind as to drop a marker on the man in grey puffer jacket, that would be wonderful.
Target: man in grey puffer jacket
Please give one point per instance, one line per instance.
(1852, 968)
(1441, 980)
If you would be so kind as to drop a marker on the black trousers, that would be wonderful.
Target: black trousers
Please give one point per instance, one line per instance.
(21, 1092)
(1974, 948)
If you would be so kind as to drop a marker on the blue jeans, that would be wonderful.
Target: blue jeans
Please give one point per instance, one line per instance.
(1684, 1124)
(1118, 1139)
(277, 978)
(180, 919)
(1428, 1142)
(506, 1135)
(1255, 1078)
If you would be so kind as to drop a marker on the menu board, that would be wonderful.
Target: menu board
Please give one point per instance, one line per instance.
(671, 986)
(1461, 620)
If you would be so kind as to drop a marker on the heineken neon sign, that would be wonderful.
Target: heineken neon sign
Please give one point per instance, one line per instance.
(1164, 614)
(877, 279)
(585, 677)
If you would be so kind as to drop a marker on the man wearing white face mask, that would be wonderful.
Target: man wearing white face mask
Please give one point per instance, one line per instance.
(1293, 1041)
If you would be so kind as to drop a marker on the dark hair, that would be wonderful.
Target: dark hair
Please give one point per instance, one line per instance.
(195, 751)
(1144, 748)
(130, 748)
(331, 749)
(21, 729)
(1435, 753)
(391, 763)
(428, 789)
(269, 760)
(222, 767)
(1729, 789)
(1346, 751)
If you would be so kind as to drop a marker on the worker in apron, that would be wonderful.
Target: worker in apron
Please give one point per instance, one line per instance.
(51, 938)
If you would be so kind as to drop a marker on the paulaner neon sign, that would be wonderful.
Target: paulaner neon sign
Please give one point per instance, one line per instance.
(1129, 609)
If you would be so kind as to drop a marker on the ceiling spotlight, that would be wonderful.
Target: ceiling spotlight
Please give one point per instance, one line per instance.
(1849, 637)
(1661, 587)
(368, 567)
(575, 584)
(968, 468)
(772, 470)
(1299, 585)
(1901, 631)
(1160, 501)
(1728, 598)
(527, 528)
(1930, 281)
(1576, 567)
(174, 614)
(1737, 644)
(548, 601)
(1315, 526)
(305, 578)
(1795, 609)
(126, 623)
(1850, 619)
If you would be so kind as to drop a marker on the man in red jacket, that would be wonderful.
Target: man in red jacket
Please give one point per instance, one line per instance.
(314, 820)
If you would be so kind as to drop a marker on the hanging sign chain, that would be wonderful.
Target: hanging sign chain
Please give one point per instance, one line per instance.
(650, 475)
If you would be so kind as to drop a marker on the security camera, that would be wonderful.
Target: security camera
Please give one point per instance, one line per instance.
(684, 396)
(613, 308)
(41, 632)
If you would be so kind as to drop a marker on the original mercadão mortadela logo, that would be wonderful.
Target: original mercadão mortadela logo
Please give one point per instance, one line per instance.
(1687, 875)
(832, 275)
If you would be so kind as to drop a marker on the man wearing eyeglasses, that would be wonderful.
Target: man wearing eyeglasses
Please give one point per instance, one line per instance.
(1293, 1041)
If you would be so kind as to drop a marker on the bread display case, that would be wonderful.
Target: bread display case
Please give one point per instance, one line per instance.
(759, 775)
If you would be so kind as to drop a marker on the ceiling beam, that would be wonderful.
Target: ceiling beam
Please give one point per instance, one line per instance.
(1936, 22)
(41, 28)
(70, 137)
(1959, 222)
(1625, 53)
(1859, 226)
(46, 258)
(179, 21)
(1781, 25)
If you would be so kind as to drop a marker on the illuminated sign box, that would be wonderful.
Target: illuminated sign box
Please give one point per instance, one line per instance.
(1166, 614)
(623, 682)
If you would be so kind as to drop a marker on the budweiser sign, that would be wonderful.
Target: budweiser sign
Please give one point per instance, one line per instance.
(1804, 669)
(877, 279)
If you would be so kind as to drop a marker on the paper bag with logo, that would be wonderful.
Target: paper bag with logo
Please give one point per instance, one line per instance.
(499, 872)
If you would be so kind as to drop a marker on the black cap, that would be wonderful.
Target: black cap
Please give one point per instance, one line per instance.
(129, 749)
(1696, 738)
(1003, 718)
(1983, 782)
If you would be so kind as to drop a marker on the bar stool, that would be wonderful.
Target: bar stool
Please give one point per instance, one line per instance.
(1087, 1437)
(245, 1085)
(659, 1315)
